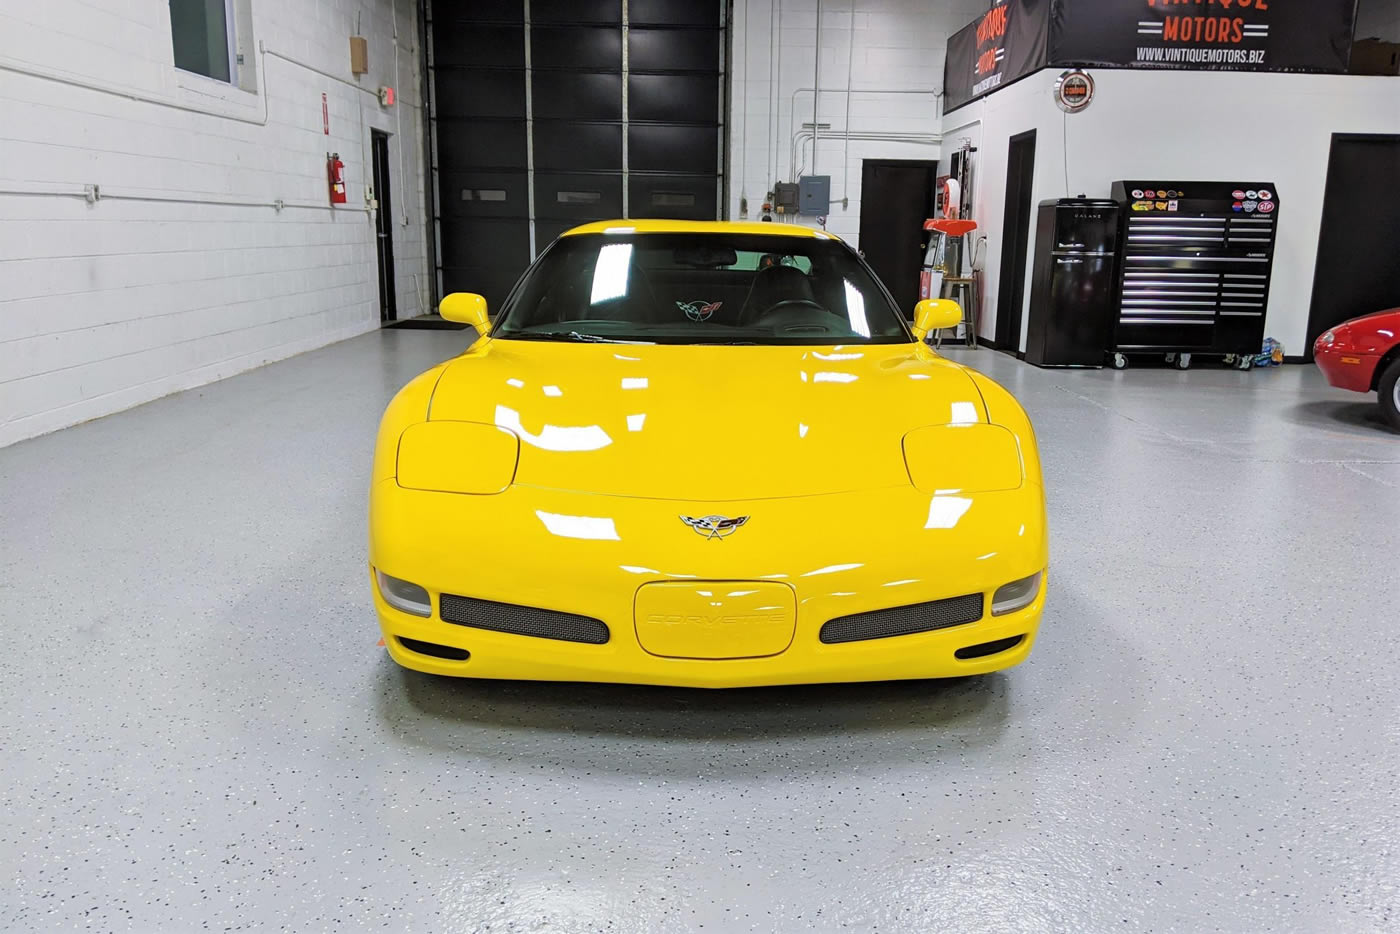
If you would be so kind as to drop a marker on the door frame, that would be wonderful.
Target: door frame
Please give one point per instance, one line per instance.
(931, 164)
(383, 225)
(1010, 313)
(1314, 300)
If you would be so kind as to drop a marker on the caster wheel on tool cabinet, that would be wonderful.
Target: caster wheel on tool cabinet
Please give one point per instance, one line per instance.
(1244, 363)
(1171, 358)
(1120, 361)
(1182, 361)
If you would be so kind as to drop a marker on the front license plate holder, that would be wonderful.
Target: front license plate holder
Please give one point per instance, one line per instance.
(715, 619)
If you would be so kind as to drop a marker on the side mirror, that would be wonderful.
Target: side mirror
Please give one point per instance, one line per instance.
(933, 314)
(466, 308)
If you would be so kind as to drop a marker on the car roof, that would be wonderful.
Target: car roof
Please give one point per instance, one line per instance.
(644, 226)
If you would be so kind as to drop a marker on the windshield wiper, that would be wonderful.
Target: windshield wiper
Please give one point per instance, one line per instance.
(564, 336)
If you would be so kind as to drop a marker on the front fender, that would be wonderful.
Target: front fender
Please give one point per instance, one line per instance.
(1004, 410)
(409, 406)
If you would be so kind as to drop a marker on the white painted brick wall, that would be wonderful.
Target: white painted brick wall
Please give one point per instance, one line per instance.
(107, 305)
(899, 45)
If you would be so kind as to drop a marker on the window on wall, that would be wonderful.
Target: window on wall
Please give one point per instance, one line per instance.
(202, 33)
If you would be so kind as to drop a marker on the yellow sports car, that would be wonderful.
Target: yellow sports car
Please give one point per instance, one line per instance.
(705, 454)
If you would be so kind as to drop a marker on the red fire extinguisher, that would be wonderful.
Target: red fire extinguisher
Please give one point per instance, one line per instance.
(335, 169)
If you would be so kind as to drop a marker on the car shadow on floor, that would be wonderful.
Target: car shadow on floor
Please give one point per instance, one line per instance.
(655, 729)
(1361, 418)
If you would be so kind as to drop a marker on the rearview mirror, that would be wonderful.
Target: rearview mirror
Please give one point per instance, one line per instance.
(933, 314)
(705, 257)
(466, 308)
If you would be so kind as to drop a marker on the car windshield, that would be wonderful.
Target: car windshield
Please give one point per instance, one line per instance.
(701, 289)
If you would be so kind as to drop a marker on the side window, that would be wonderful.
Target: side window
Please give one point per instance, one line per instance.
(204, 37)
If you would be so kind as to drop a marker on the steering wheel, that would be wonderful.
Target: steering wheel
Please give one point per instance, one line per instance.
(795, 315)
(786, 306)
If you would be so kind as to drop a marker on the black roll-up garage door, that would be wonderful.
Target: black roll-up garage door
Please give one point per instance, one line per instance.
(546, 114)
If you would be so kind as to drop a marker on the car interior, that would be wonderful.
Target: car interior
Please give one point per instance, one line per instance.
(717, 286)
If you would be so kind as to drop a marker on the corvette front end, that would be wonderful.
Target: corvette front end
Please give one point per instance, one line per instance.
(668, 498)
(677, 606)
(913, 560)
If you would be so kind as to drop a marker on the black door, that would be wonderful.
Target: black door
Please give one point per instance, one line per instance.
(383, 226)
(1357, 272)
(548, 114)
(1015, 240)
(896, 197)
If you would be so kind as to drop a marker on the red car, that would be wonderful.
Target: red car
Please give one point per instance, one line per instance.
(1363, 354)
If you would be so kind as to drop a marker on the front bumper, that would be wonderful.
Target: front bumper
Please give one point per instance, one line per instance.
(589, 554)
(1346, 370)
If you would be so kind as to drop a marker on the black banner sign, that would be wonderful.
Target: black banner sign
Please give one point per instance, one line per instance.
(1017, 37)
(1005, 45)
(1230, 35)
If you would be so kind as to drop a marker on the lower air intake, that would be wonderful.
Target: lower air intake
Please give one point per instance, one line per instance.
(521, 620)
(435, 650)
(904, 620)
(989, 648)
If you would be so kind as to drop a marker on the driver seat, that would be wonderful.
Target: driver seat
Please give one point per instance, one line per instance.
(774, 284)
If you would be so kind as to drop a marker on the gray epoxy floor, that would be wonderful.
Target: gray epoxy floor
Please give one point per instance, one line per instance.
(197, 729)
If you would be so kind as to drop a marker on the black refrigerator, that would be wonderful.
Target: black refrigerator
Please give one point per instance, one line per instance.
(1074, 300)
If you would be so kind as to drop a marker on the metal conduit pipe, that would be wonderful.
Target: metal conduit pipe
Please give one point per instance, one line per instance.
(94, 192)
(914, 139)
(799, 141)
(775, 75)
(816, 85)
(134, 94)
(792, 107)
(798, 148)
(850, 77)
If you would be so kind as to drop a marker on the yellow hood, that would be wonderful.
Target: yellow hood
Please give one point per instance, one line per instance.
(717, 423)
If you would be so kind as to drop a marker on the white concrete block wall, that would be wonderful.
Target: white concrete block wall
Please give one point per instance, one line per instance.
(899, 46)
(151, 289)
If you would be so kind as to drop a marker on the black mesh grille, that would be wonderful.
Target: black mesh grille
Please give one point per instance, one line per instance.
(521, 620)
(904, 620)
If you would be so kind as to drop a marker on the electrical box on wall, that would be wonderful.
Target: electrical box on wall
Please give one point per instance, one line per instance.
(359, 55)
(814, 195)
(785, 197)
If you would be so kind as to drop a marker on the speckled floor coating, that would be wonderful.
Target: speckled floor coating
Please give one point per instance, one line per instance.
(198, 731)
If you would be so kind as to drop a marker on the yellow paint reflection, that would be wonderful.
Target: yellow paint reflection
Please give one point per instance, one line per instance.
(554, 437)
(964, 413)
(832, 569)
(945, 511)
(594, 528)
